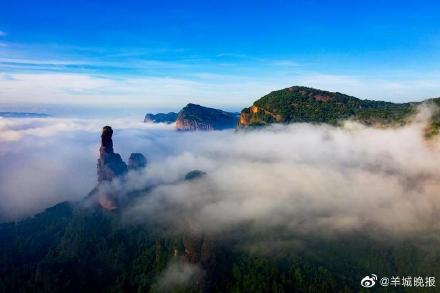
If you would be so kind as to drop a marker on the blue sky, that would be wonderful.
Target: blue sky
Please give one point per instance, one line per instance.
(164, 54)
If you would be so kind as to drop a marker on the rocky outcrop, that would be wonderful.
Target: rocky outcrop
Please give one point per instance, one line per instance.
(161, 117)
(194, 174)
(195, 117)
(110, 164)
(137, 161)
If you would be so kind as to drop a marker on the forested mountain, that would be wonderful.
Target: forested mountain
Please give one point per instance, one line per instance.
(69, 248)
(303, 104)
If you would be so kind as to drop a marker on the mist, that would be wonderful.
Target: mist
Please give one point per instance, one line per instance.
(51, 160)
(300, 178)
(177, 274)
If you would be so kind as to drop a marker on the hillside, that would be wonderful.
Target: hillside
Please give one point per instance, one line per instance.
(302, 104)
(70, 248)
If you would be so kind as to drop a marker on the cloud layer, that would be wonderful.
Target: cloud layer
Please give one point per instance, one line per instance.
(300, 178)
(303, 178)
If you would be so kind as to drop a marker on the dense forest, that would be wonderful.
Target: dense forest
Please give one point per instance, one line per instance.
(302, 104)
(72, 248)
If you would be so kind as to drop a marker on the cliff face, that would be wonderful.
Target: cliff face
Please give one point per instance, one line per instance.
(161, 117)
(191, 125)
(196, 117)
(302, 104)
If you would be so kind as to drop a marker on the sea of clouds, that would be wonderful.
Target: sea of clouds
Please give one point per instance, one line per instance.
(301, 178)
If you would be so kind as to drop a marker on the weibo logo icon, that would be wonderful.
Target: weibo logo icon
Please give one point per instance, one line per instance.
(369, 281)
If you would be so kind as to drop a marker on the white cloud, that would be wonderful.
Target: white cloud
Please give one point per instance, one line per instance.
(40, 62)
(42, 75)
(178, 274)
(16, 129)
(299, 178)
(207, 89)
(149, 91)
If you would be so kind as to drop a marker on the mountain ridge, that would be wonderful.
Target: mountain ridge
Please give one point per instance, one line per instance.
(196, 117)
(24, 115)
(167, 118)
(304, 104)
(310, 105)
(300, 104)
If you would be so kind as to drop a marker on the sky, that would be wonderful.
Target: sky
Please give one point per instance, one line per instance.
(160, 55)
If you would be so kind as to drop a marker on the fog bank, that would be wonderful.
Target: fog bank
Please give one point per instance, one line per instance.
(299, 178)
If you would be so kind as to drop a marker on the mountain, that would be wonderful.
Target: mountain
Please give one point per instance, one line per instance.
(196, 117)
(161, 117)
(303, 104)
(23, 115)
